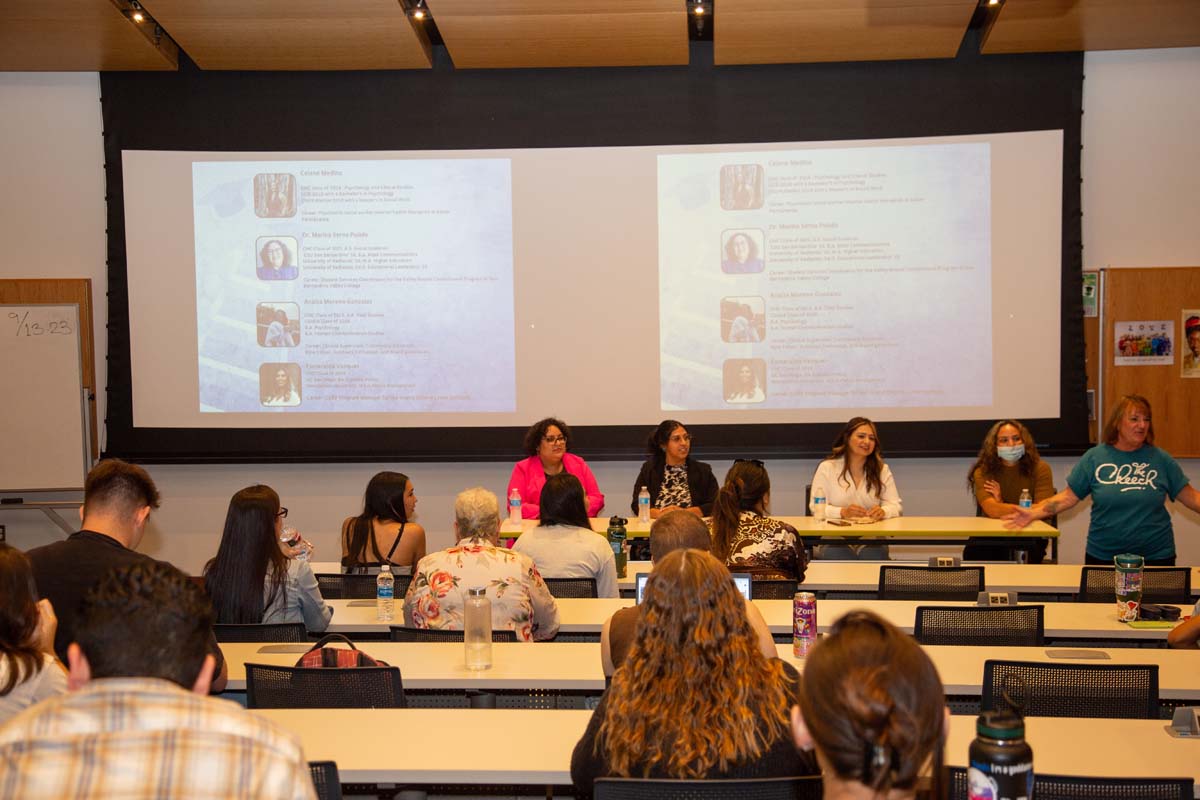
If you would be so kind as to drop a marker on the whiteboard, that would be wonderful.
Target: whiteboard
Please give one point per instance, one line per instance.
(42, 423)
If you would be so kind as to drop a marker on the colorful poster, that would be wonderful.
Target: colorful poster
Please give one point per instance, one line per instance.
(1091, 281)
(1143, 343)
(1190, 363)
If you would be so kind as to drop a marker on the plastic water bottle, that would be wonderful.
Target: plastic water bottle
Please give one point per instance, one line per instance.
(818, 504)
(477, 628)
(644, 505)
(385, 594)
(514, 507)
(1026, 500)
(291, 539)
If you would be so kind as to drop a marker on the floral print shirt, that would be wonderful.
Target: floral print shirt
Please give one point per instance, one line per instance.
(520, 600)
(768, 548)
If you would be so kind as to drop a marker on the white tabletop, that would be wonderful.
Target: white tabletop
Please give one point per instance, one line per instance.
(540, 743)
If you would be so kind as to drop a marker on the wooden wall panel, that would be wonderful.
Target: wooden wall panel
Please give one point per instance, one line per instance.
(785, 31)
(1027, 26)
(79, 35)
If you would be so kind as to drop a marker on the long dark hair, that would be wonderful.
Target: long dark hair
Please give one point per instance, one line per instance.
(18, 618)
(989, 462)
(658, 441)
(383, 500)
(872, 467)
(248, 560)
(746, 484)
(562, 502)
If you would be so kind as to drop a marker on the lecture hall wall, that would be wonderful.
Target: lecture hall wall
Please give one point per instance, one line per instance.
(1141, 164)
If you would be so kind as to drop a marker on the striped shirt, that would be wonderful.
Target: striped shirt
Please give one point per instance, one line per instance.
(147, 738)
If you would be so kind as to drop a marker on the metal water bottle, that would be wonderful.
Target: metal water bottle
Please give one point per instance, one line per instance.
(1001, 761)
(616, 540)
(1128, 576)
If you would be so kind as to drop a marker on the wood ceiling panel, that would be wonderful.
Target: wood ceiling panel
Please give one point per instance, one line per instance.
(78, 35)
(797, 31)
(1026, 26)
(562, 33)
(294, 34)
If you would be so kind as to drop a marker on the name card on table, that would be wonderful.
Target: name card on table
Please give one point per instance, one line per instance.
(997, 599)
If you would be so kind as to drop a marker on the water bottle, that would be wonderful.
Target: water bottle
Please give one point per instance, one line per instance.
(385, 591)
(644, 506)
(1128, 576)
(616, 540)
(1000, 760)
(291, 539)
(514, 507)
(1026, 500)
(477, 628)
(818, 503)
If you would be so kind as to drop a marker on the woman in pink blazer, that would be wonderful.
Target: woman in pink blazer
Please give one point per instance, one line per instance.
(547, 442)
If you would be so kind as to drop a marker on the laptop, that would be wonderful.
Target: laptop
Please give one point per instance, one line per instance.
(740, 579)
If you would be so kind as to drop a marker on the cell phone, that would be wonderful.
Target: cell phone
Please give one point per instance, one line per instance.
(840, 523)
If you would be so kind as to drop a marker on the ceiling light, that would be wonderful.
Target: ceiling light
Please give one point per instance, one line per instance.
(136, 13)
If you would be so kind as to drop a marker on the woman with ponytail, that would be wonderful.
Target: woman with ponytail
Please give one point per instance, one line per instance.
(744, 538)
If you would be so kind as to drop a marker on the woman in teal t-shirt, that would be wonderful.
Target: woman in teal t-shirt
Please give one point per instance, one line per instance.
(1129, 479)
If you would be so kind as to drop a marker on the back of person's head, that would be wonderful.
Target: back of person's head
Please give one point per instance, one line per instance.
(384, 498)
(476, 514)
(119, 488)
(873, 705)
(695, 694)
(677, 530)
(562, 502)
(746, 486)
(18, 618)
(147, 620)
(248, 553)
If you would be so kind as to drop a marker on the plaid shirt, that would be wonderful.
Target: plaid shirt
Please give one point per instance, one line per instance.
(147, 738)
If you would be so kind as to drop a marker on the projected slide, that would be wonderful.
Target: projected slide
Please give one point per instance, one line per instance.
(354, 285)
(826, 278)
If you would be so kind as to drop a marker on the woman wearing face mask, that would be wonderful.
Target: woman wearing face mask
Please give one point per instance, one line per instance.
(1008, 464)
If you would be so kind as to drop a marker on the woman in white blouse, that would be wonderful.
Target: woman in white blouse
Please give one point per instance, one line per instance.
(857, 485)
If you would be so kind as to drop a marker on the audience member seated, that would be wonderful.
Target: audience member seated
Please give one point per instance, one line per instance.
(873, 708)
(383, 532)
(520, 600)
(546, 443)
(674, 530)
(1008, 464)
(117, 500)
(695, 698)
(563, 545)
(252, 580)
(858, 485)
(744, 537)
(29, 670)
(1186, 636)
(673, 478)
(137, 723)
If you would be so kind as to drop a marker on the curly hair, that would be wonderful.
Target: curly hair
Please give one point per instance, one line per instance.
(989, 463)
(872, 467)
(874, 705)
(694, 695)
(533, 436)
(746, 484)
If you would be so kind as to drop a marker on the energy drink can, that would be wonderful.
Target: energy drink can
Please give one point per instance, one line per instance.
(804, 623)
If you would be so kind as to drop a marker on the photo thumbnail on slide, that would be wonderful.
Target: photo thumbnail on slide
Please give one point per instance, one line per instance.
(399, 269)
(873, 265)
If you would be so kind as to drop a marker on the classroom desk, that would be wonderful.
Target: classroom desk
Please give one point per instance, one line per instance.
(575, 666)
(1063, 620)
(544, 739)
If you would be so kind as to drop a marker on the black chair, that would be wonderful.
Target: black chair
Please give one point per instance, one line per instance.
(325, 780)
(1012, 626)
(772, 589)
(806, 788)
(572, 587)
(356, 587)
(269, 686)
(1159, 585)
(930, 583)
(1114, 691)
(400, 633)
(1061, 787)
(270, 632)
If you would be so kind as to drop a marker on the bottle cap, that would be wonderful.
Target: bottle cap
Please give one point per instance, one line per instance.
(477, 591)
(386, 568)
(1000, 725)
(1129, 561)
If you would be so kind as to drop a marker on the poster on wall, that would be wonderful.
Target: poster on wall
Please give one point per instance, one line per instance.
(1090, 282)
(1190, 363)
(1144, 342)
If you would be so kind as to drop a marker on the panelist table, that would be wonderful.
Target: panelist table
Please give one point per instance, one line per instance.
(544, 739)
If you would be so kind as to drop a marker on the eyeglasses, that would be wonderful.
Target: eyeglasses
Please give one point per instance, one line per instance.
(282, 511)
(554, 439)
(682, 439)
(753, 461)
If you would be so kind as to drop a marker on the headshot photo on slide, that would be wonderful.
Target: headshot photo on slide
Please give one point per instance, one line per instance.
(275, 194)
(742, 251)
(743, 320)
(745, 380)
(277, 258)
(278, 324)
(279, 384)
(742, 187)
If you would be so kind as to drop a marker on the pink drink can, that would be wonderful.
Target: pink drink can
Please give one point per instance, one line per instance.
(804, 623)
